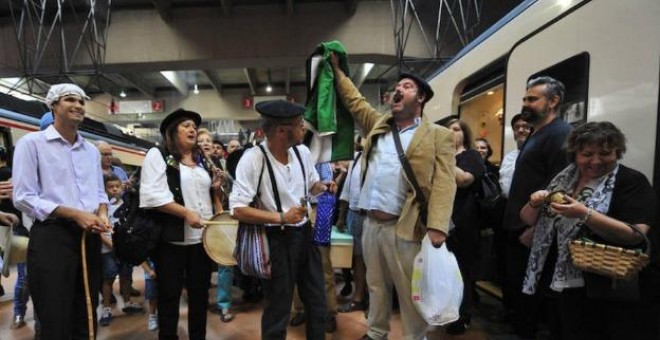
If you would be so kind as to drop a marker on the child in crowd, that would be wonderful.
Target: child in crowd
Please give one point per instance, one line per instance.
(150, 293)
(112, 188)
(115, 190)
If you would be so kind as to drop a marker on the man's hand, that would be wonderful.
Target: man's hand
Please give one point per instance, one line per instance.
(295, 215)
(193, 219)
(91, 222)
(7, 219)
(334, 62)
(320, 187)
(6, 190)
(437, 237)
(106, 222)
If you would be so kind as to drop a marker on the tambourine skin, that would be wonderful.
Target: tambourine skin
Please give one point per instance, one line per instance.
(219, 239)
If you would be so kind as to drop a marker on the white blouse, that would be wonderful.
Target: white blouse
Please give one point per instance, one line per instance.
(195, 188)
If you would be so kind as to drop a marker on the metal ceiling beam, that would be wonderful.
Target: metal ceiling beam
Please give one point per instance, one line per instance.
(62, 31)
(140, 84)
(461, 15)
(251, 76)
(163, 7)
(215, 81)
(226, 7)
(177, 81)
(289, 7)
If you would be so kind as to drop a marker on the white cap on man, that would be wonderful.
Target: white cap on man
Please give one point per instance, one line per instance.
(60, 90)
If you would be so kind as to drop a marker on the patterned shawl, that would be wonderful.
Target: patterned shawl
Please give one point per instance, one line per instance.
(597, 195)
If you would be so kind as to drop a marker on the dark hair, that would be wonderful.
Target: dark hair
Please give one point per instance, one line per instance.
(111, 177)
(3, 154)
(490, 149)
(516, 118)
(553, 87)
(467, 132)
(604, 134)
(215, 141)
(169, 139)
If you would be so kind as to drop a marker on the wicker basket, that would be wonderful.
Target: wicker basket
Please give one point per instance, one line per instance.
(610, 261)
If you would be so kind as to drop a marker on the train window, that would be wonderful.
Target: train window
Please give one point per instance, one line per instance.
(481, 103)
(574, 73)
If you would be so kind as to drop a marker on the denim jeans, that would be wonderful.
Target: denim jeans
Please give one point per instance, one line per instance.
(21, 290)
(225, 280)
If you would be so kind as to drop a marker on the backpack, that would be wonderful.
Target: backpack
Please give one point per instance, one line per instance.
(490, 199)
(136, 233)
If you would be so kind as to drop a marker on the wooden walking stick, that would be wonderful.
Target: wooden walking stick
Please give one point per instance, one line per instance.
(88, 297)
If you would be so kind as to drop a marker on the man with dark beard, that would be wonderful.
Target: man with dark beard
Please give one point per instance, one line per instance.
(541, 157)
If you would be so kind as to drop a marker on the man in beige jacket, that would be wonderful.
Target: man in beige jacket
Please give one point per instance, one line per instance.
(393, 229)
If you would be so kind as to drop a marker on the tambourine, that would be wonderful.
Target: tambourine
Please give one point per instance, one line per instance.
(219, 238)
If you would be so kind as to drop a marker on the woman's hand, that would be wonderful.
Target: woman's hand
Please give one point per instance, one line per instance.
(570, 209)
(218, 179)
(194, 220)
(537, 199)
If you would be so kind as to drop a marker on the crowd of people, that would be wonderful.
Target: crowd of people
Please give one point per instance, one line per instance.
(410, 178)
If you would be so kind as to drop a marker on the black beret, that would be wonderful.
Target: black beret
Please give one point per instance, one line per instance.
(178, 116)
(421, 84)
(445, 120)
(279, 109)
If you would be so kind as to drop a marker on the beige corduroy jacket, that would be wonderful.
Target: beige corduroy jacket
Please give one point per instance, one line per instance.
(431, 156)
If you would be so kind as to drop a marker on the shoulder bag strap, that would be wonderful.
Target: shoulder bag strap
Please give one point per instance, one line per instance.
(419, 196)
(302, 166)
(276, 192)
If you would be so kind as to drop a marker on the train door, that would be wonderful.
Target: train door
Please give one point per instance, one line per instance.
(481, 106)
(604, 52)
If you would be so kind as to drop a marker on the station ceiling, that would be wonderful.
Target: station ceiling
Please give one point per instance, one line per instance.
(149, 79)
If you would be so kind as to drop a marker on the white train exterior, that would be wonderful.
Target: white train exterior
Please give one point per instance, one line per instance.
(607, 50)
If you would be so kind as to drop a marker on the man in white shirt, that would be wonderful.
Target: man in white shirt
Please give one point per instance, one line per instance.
(294, 259)
(521, 131)
(61, 187)
(352, 216)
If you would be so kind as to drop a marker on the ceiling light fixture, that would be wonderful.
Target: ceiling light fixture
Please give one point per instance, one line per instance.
(196, 89)
(122, 94)
(269, 87)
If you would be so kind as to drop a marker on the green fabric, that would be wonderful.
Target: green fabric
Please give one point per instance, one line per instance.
(338, 237)
(324, 111)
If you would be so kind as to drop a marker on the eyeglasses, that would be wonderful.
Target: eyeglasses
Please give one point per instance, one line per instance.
(522, 126)
(106, 154)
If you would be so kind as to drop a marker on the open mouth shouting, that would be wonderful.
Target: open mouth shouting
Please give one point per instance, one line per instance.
(398, 96)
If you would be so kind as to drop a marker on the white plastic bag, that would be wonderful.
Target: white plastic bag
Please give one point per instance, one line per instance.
(437, 285)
